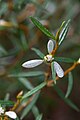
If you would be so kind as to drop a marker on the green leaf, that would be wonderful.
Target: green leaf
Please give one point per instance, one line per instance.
(6, 60)
(38, 52)
(35, 111)
(42, 28)
(39, 117)
(63, 59)
(29, 107)
(17, 118)
(64, 32)
(6, 103)
(27, 74)
(3, 8)
(34, 90)
(26, 83)
(2, 51)
(29, 86)
(53, 72)
(66, 100)
(70, 84)
(23, 40)
(60, 29)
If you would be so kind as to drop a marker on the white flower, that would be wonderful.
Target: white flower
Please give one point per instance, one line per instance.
(2, 22)
(47, 58)
(1, 110)
(11, 114)
(79, 60)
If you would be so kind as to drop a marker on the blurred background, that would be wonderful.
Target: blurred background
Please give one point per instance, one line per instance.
(18, 35)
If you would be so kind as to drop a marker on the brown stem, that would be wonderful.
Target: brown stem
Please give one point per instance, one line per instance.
(25, 104)
(19, 96)
(49, 83)
(16, 105)
(56, 47)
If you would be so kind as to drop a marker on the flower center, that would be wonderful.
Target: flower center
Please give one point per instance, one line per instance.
(48, 58)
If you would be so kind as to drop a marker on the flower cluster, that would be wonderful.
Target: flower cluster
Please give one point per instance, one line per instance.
(10, 114)
(48, 58)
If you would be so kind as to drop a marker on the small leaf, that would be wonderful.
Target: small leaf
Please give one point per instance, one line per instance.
(6, 103)
(53, 72)
(29, 107)
(39, 117)
(60, 29)
(64, 32)
(70, 84)
(26, 83)
(6, 60)
(38, 52)
(35, 111)
(2, 51)
(63, 59)
(23, 40)
(34, 90)
(27, 74)
(3, 8)
(42, 28)
(66, 100)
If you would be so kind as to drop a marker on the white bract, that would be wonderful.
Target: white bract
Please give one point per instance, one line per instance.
(2, 22)
(48, 58)
(1, 110)
(79, 60)
(10, 114)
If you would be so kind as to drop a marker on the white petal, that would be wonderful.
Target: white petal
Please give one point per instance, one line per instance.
(50, 46)
(79, 60)
(58, 69)
(1, 110)
(32, 63)
(11, 114)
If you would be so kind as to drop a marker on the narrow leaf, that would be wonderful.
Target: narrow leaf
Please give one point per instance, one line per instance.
(2, 51)
(70, 84)
(35, 111)
(23, 40)
(27, 74)
(34, 90)
(29, 107)
(3, 8)
(60, 29)
(63, 59)
(39, 117)
(6, 103)
(53, 72)
(64, 32)
(38, 52)
(26, 83)
(42, 28)
(66, 100)
(6, 60)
